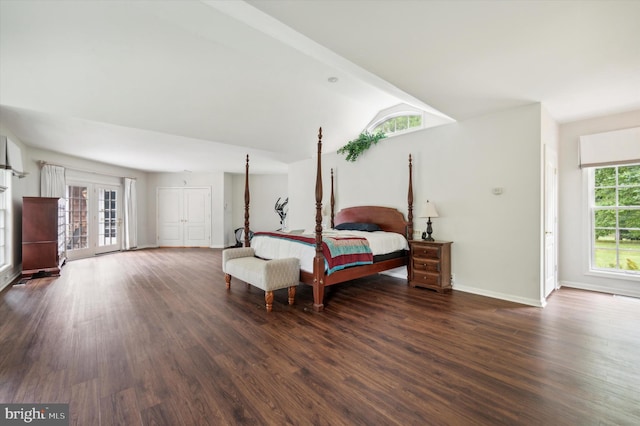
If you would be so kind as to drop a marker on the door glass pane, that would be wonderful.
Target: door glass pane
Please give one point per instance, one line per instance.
(62, 228)
(77, 218)
(107, 220)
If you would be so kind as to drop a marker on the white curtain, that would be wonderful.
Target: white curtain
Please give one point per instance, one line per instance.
(130, 239)
(52, 183)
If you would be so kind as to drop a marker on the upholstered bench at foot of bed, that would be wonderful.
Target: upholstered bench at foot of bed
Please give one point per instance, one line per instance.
(267, 275)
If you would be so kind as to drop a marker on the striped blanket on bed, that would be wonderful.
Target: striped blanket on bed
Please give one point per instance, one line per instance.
(339, 252)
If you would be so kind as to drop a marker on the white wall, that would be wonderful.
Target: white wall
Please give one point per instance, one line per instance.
(573, 222)
(496, 239)
(265, 191)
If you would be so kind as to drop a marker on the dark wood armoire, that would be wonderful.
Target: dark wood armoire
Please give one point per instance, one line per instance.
(40, 236)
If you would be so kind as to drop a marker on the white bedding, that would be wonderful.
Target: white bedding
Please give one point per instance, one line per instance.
(380, 242)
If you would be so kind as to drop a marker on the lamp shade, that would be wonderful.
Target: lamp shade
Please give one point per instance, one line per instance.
(429, 210)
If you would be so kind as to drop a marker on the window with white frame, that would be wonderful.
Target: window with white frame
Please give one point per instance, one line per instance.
(399, 124)
(5, 214)
(405, 118)
(398, 119)
(615, 218)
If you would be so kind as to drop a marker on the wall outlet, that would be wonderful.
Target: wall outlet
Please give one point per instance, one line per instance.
(453, 278)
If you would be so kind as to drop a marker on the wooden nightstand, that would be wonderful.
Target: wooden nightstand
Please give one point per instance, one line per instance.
(430, 265)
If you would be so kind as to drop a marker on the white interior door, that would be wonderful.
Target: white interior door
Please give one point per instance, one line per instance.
(184, 217)
(170, 221)
(550, 221)
(197, 214)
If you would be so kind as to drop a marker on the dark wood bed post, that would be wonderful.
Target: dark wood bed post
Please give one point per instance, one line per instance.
(318, 260)
(410, 214)
(247, 243)
(333, 202)
(410, 202)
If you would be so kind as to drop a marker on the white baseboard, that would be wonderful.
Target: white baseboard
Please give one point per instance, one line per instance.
(5, 285)
(402, 273)
(8, 277)
(601, 288)
(146, 246)
(501, 296)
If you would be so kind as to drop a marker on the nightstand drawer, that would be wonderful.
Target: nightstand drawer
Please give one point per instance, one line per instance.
(426, 265)
(426, 278)
(429, 252)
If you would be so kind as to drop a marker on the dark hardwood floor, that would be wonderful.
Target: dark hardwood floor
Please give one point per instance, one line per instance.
(153, 337)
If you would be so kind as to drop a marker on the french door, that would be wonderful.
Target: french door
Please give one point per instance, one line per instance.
(93, 219)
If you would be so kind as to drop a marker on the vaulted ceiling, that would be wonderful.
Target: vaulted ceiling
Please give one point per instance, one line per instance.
(195, 85)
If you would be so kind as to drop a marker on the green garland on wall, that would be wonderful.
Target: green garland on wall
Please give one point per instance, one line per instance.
(356, 147)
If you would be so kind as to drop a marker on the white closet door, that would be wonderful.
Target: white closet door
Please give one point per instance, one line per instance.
(184, 217)
(197, 214)
(170, 222)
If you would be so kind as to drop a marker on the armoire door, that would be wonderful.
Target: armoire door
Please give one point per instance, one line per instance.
(184, 217)
(40, 235)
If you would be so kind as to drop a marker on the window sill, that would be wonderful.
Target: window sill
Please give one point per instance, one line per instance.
(613, 275)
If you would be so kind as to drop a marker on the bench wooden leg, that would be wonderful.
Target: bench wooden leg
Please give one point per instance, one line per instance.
(268, 297)
(227, 280)
(292, 294)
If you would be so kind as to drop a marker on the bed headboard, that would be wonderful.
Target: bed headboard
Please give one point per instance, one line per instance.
(387, 218)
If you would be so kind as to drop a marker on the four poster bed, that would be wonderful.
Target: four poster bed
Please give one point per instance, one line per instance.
(339, 256)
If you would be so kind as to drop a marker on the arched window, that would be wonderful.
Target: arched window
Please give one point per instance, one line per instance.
(399, 124)
(398, 119)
